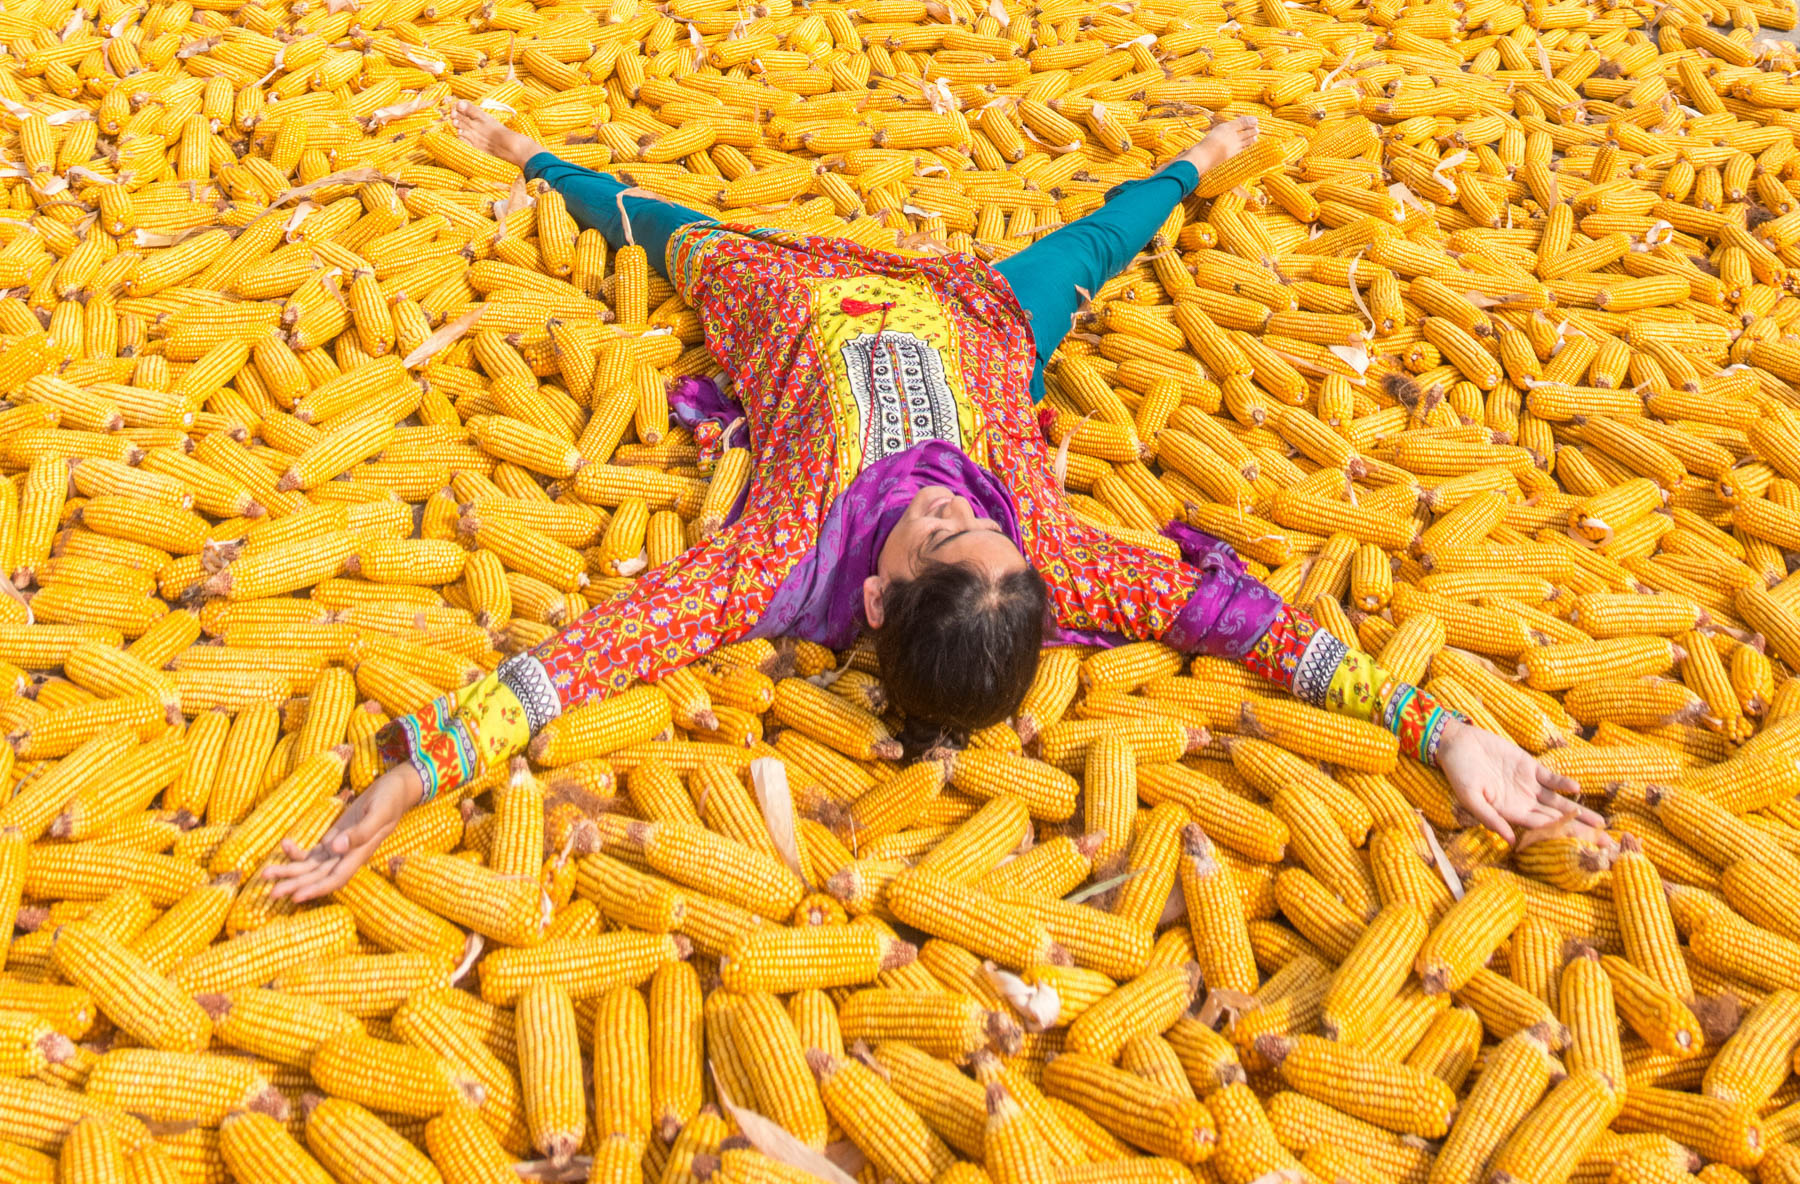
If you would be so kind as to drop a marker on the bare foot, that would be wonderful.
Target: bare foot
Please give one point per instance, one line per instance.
(483, 131)
(1222, 143)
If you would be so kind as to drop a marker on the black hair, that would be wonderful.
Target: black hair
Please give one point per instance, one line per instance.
(958, 649)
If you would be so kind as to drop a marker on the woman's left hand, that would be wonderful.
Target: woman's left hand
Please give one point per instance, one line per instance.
(1504, 786)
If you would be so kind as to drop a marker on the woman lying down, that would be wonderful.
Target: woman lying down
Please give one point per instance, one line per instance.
(901, 484)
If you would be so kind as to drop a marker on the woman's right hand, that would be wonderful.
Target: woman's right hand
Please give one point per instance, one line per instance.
(366, 821)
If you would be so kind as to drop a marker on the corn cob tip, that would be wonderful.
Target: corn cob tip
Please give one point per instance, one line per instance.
(1089, 843)
(1274, 1049)
(1547, 1033)
(841, 885)
(898, 953)
(32, 917)
(705, 1165)
(1196, 846)
(272, 1102)
(1004, 1033)
(216, 1005)
(996, 1098)
(56, 1047)
(1718, 1015)
(559, 1149)
(822, 1063)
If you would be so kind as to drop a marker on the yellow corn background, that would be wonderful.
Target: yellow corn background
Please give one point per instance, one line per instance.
(313, 414)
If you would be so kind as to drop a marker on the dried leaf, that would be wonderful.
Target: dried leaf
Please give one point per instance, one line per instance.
(151, 238)
(471, 955)
(1400, 193)
(768, 1137)
(939, 97)
(1059, 468)
(847, 1155)
(1223, 1001)
(1452, 881)
(382, 116)
(1038, 1004)
(356, 176)
(1093, 890)
(1354, 356)
(443, 337)
(300, 215)
(768, 776)
(1174, 908)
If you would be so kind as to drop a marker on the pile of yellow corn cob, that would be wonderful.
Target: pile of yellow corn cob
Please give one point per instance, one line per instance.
(1479, 356)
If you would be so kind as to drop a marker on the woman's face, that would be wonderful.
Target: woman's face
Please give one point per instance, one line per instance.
(939, 526)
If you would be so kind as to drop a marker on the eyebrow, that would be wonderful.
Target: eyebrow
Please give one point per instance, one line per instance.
(941, 540)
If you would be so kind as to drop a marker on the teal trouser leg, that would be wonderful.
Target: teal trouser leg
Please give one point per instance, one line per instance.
(1086, 253)
(593, 201)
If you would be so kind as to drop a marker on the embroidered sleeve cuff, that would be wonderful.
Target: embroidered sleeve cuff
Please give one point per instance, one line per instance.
(1296, 654)
(459, 736)
(1417, 719)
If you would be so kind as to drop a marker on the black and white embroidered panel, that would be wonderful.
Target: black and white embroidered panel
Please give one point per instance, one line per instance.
(1313, 674)
(901, 393)
(526, 677)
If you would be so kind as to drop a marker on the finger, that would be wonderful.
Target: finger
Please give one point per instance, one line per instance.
(282, 872)
(1485, 814)
(1538, 816)
(1555, 801)
(1559, 782)
(299, 863)
(334, 878)
(1596, 821)
(305, 887)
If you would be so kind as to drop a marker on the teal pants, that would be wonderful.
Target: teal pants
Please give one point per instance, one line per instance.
(1049, 277)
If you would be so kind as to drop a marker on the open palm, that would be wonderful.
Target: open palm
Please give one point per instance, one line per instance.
(1503, 786)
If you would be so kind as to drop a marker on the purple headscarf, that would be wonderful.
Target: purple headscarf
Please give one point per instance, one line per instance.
(822, 597)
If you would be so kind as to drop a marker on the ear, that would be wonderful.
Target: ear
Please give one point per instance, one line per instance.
(874, 589)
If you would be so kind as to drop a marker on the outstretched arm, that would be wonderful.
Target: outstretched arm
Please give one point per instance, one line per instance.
(669, 616)
(1209, 604)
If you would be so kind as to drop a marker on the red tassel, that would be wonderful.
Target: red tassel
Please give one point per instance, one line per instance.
(862, 308)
